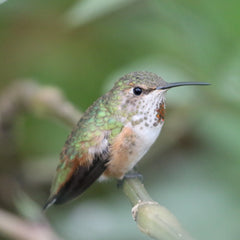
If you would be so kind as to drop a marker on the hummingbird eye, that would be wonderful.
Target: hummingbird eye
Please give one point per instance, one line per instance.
(137, 91)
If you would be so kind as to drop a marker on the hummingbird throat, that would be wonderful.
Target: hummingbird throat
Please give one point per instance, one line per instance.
(161, 112)
(150, 113)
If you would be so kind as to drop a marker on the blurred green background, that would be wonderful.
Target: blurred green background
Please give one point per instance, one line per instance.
(82, 47)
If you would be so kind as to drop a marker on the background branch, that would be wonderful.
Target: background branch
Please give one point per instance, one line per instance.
(151, 218)
(20, 229)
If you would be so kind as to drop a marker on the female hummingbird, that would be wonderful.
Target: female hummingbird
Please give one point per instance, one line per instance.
(113, 134)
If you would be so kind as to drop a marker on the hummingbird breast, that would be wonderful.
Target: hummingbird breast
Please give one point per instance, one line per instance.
(135, 139)
(147, 126)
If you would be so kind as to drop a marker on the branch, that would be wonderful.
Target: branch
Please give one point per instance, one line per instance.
(28, 96)
(151, 218)
(17, 228)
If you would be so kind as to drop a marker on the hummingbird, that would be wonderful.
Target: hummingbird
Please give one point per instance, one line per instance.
(113, 134)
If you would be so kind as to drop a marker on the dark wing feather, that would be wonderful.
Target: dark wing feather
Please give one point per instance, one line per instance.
(81, 179)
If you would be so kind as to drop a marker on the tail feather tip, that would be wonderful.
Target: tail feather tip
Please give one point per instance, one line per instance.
(49, 203)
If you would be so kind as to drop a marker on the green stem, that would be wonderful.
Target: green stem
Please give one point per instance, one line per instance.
(152, 219)
(135, 191)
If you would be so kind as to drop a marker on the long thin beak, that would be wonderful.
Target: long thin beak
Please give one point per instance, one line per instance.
(178, 84)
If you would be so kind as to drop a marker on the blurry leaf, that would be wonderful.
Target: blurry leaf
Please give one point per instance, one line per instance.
(200, 201)
(104, 218)
(2, 1)
(225, 16)
(27, 207)
(221, 129)
(229, 84)
(87, 10)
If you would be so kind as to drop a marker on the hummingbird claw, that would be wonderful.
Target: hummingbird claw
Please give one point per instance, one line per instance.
(130, 175)
(133, 174)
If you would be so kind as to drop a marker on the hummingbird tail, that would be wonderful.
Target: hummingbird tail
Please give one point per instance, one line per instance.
(49, 203)
(80, 180)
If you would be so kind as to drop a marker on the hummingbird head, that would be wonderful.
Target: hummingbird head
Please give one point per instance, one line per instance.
(141, 95)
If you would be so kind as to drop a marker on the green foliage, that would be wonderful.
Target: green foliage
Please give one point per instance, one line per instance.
(88, 10)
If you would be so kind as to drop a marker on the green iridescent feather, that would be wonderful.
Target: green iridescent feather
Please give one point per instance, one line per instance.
(97, 119)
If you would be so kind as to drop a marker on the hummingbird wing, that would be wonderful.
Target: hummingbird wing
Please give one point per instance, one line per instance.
(84, 156)
(75, 175)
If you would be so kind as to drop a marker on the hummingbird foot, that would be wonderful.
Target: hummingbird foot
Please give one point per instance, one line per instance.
(133, 174)
(130, 175)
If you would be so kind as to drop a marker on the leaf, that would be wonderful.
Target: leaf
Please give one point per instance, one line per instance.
(88, 10)
(2, 1)
(28, 207)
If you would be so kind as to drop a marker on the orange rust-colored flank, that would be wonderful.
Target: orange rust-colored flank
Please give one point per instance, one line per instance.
(118, 165)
